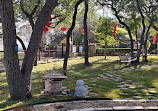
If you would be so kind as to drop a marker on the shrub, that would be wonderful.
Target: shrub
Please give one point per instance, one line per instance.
(113, 51)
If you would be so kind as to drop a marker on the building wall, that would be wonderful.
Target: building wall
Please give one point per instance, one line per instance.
(1, 43)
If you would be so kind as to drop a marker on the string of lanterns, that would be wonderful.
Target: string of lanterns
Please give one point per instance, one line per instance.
(47, 25)
(154, 38)
(114, 30)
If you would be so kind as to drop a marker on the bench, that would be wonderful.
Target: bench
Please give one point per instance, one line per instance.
(126, 58)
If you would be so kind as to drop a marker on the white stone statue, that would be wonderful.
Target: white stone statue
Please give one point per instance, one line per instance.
(80, 89)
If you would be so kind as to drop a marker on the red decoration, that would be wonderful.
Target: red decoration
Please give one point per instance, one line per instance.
(48, 24)
(154, 39)
(63, 29)
(114, 30)
(82, 31)
(114, 35)
(50, 18)
(46, 29)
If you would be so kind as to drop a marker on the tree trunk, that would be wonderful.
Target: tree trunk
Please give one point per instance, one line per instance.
(30, 17)
(137, 41)
(68, 37)
(36, 36)
(19, 82)
(142, 35)
(86, 35)
(145, 43)
(15, 79)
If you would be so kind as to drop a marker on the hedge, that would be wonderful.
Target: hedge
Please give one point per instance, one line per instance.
(113, 51)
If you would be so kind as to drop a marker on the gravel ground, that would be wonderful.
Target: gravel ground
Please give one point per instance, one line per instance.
(91, 104)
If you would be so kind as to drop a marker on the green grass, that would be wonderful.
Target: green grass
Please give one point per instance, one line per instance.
(76, 70)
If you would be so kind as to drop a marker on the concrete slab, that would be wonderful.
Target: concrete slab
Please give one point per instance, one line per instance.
(128, 108)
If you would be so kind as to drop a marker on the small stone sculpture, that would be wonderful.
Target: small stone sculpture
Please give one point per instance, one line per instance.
(80, 89)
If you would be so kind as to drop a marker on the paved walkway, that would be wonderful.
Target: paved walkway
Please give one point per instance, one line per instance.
(99, 105)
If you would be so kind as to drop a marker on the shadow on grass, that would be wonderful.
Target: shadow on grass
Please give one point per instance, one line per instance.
(98, 85)
(131, 72)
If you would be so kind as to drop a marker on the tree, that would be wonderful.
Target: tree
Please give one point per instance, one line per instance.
(116, 6)
(151, 11)
(19, 81)
(86, 34)
(143, 32)
(104, 32)
(68, 37)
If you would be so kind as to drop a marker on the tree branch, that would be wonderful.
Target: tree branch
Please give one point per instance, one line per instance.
(22, 43)
(68, 35)
(128, 29)
(35, 8)
(25, 12)
(29, 16)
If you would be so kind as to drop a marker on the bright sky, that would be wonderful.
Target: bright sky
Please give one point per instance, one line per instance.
(107, 12)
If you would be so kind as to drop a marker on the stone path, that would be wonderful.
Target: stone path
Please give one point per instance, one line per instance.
(136, 89)
(129, 88)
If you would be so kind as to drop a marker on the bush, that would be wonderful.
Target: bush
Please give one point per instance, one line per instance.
(113, 51)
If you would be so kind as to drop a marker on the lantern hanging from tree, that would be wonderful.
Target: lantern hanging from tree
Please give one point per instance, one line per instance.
(114, 30)
(114, 35)
(46, 29)
(48, 24)
(50, 18)
(82, 31)
(154, 39)
(63, 29)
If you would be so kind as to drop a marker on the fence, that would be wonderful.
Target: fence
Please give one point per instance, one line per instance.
(40, 55)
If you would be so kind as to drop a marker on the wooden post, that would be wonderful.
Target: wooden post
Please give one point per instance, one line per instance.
(56, 51)
(39, 55)
(62, 50)
(49, 53)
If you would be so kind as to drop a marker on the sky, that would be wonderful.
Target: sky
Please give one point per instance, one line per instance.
(107, 12)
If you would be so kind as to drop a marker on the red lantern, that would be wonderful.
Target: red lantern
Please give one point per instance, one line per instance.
(63, 29)
(115, 27)
(82, 31)
(114, 30)
(115, 24)
(154, 39)
(46, 29)
(50, 18)
(48, 24)
(113, 35)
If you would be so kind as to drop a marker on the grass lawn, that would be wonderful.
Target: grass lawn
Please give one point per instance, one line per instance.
(142, 75)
